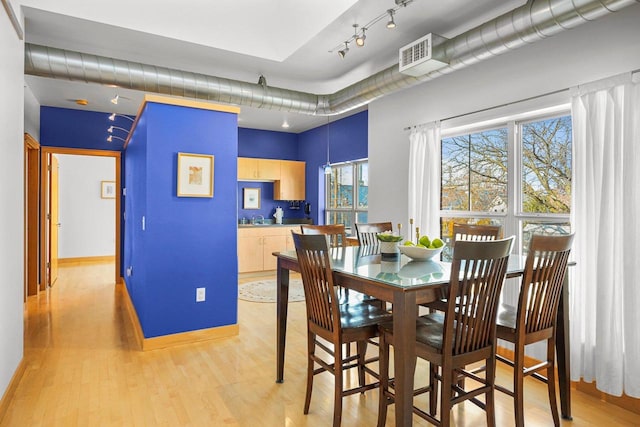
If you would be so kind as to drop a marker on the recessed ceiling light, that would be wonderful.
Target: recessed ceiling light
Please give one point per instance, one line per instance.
(82, 102)
(285, 124)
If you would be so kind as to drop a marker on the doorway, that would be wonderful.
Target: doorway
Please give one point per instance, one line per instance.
(49, 223)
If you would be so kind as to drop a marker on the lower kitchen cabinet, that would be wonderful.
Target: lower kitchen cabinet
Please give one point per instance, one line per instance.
(257, 244)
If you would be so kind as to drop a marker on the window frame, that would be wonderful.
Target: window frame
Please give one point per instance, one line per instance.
(514, 217)
(353, 210)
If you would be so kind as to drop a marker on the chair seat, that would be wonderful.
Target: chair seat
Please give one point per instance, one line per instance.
(359, 315)
(429, 329)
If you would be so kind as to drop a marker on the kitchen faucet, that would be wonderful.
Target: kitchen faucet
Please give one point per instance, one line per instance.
(257, 219)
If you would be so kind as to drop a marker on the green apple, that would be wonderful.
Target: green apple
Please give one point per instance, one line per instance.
(420, 245)
(437, 243)
(409, 243)
(424, 241)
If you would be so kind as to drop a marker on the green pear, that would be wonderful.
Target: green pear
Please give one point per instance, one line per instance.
(424, 241)
(437, 243)
(409, 243)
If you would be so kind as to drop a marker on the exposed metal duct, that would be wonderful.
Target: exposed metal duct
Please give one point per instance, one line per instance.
(536, 20)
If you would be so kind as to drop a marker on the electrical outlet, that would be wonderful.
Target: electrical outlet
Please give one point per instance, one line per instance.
(200, 294)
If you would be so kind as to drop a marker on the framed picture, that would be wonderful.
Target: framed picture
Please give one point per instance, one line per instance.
(107, 189)
(251, 198)
(195, 175)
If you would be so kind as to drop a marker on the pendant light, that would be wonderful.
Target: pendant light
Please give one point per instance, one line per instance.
(327, 166)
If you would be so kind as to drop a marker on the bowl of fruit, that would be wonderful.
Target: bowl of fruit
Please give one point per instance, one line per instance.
(388, 242)
(425, 248)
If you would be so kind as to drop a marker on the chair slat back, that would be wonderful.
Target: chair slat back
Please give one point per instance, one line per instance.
(317, 278)
(367, 232)
(476, 232)
(336, 232)
(478, 271)
(542, 282)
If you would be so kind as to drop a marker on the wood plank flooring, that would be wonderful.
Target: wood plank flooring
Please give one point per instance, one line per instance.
(82, 370)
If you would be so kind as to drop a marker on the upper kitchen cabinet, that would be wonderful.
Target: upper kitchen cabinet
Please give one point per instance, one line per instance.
(251, 169)
(291, 185)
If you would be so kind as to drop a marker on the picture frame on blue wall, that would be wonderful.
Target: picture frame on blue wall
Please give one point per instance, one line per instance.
(251, 198)
(107, 189)
(195, 175)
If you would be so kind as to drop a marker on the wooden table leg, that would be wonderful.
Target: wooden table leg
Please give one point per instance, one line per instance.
(562, 350)
(281, 309)
(404, 338)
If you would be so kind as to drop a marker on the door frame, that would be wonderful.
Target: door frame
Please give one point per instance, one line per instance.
(45, 152)
(31, 215)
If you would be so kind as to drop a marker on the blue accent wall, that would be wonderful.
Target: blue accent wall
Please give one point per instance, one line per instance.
(191, 242)
(348, 141)
(266, 145)
(63, 127)
(187, 242)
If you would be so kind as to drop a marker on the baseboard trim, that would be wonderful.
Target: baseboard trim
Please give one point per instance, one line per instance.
(11, 388)
(190, 337)
(133, 315)
(626, 402)
(67, 262)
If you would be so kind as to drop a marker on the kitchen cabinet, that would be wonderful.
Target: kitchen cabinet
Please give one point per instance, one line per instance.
(258, 169)
(257, 244)
(291, 185)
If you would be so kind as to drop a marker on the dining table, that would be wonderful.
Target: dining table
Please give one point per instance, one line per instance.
(404, 283)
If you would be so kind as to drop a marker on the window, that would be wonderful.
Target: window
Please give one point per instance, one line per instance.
(347, 191)
(517, 175)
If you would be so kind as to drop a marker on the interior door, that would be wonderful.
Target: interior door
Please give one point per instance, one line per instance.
(54, 223)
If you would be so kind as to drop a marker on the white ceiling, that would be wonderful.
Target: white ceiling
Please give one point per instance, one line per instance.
(293, 43)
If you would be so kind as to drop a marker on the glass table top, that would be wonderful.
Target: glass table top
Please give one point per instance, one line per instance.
(399, 270)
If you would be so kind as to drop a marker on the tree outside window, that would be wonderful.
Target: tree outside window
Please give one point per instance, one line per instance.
(476, 177)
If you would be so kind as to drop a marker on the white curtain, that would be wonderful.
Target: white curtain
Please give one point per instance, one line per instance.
(424, 179)
(605, 292)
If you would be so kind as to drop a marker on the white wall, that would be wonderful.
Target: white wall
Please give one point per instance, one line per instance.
(11, 200)
(31, 114)
(608, 46)
(87, 220)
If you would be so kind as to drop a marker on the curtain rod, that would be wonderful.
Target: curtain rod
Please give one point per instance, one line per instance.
(506, 104)
(14, 20)
(502, 105)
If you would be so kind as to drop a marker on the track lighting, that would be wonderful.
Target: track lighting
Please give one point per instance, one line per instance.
(111, 128)
(344, 51)
(117, 98)
(360, 38)
(391, 23)
(113, 116)
(110, 138)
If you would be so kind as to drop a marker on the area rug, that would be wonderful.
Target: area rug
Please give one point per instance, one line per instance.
(265, 291)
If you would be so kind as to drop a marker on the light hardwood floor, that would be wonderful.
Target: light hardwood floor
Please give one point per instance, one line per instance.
(82, 370)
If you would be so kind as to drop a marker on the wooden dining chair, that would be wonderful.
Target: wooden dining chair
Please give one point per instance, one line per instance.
(464, 334)
(475, 232)
(333, 322)
(336, 232)
(534, 319)
(367, 232)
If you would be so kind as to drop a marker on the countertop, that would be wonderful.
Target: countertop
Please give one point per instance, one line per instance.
(273, 224)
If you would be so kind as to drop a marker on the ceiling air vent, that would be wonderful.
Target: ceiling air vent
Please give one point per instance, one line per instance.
(418, 58)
